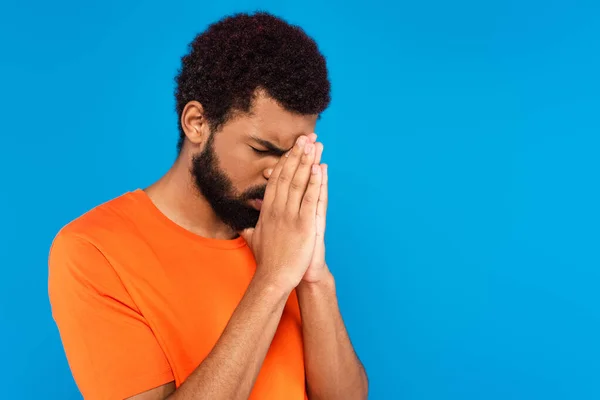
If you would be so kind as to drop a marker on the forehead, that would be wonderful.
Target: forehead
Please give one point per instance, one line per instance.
(272, 122)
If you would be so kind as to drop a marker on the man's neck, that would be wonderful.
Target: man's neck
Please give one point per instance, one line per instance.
(177, 197)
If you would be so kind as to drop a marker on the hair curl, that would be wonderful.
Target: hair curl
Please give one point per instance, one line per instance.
(241, 53)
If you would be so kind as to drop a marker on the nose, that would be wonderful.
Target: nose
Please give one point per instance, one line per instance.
(267, 172)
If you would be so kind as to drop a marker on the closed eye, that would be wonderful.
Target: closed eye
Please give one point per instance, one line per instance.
(260, 151)
(268, 148)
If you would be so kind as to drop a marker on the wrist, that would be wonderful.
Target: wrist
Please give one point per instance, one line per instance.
(271, 284)
(325, 280)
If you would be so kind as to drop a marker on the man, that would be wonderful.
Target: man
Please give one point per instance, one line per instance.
(212, 282)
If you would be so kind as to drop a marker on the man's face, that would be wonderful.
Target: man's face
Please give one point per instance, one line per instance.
(230, 172)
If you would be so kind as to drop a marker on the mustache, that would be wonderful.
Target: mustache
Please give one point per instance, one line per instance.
(254, 193)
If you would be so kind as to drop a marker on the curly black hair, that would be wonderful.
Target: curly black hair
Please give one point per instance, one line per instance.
(241, 53)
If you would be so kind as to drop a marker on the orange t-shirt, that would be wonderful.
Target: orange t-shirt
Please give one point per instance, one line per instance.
(140, 301)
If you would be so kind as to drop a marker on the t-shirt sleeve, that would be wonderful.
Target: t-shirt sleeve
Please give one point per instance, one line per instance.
(111, 350)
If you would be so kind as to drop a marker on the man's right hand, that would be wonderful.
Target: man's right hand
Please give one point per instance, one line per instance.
(284, 237)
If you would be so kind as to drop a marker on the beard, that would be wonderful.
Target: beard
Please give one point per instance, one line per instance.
(216, 187)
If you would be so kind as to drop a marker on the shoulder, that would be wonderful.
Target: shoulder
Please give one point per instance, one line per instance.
(107, 219)
(80, 247)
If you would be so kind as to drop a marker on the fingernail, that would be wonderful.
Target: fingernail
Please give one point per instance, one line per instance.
(269, 171)
(287, 154)
(315, 169)
(308, 148)
(325, 169)
(301, 141)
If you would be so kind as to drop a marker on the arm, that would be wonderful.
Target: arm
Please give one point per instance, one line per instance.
(231, 368)
(333, 371)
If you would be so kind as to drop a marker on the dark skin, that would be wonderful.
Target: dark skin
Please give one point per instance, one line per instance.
(251, 150)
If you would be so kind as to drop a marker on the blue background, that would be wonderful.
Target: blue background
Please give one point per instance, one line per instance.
(463, 142)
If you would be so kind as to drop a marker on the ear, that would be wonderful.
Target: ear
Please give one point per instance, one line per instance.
(194, 123)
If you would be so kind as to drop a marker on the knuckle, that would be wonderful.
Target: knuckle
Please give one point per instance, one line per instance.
(274, 213)
(296, 152)
(309, 198)
(283, 178)
(295, 185)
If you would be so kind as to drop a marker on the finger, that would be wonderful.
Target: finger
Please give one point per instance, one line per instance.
(323, 200)
(308, 209)
(301, 179)
(288, 170)
(271, 188)
(312, 138)
(319, 152)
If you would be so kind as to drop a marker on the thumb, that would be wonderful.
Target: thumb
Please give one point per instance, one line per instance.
(247, 235)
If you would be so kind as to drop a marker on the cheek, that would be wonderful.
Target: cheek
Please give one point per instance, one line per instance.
(241, 165)
(245, 172)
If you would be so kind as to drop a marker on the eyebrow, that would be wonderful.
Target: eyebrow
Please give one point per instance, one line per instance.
(270, 146)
